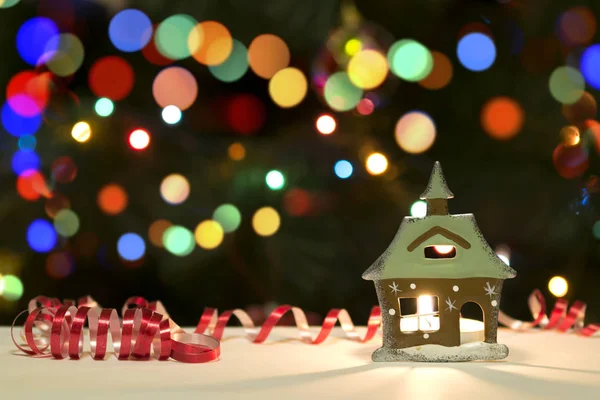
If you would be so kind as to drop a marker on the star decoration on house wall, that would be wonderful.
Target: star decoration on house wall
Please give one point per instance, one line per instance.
(394, 287)
(451, 305)
(489, 290)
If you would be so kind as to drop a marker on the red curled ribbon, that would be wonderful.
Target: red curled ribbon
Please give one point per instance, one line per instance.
(146, 330)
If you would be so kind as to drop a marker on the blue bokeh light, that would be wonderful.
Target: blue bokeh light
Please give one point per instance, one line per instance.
(41, 236)
(33, 37)
(131, 247)
(18, 125)
(27, 143)
(590, 65)
(25, 160)
(130, 30)
(343, 169)
(476, 51)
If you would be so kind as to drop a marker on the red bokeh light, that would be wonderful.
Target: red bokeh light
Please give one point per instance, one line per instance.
(246, 114)
(151, 53)
(297, 202)
(570, 161)
(111, 77)
(28, 92)
(63, 169)
(31, 185)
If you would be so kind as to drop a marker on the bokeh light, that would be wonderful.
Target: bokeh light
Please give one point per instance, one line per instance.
(410, 60)
(18, 125)
(66, 223)
(584, 109)
(368, 69)
(245, 114)
(64, 54)
(234, 67)
(236, 151)
(172, 34)
(558, 286)
(476, 51)
(266, 221)
(365, 107)
(8, 3)
(81, 132)
(139, 139)
(112, 199)
(566, 85)
(209, 234)
(152, 55)
(576, 26)
(340, 94)
(28, 93)
(570, 136)
(326, 124)
(157, 230)
(275, 180)
(418, 209)
(33, 37)
(353, 46)
(210, 43)
(41, 236)
(175, 189)
(111, 77)
(415, 132)
(63, 169)
(343, 169)
(441, 73)
(171, 115)
(25, 160)
(178, 240)
(12, 287)
(502, 118)
(570, 161)
(228, 216)
(589, 65)
(130, 30)
(596, 230)
(27, 143)
(288, 87)
(31, 185)
(376, 164)
(175, 86)
(56, 203)
(104, 107)
(268, 54)
(131, 247)
(59, 265)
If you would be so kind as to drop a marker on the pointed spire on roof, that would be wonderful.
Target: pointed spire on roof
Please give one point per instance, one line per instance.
(437, 188)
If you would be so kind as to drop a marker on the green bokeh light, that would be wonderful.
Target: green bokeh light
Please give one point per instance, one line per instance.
(275, 180)
(234, 67)
(228, 216)
(172, 36)
(566, 85)
(11, 287)
(418, 209)
(340, 94)
(410, 60)
(596, 230)
(8, 3)
(66, 222)
(178, 240)
(104, 107)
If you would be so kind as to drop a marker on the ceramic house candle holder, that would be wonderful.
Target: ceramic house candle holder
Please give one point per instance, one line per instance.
(435, 265)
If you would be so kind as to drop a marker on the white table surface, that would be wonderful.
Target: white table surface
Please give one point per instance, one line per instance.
(541, 365)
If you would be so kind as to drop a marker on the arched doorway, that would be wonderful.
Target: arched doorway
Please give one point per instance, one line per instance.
(472, 323)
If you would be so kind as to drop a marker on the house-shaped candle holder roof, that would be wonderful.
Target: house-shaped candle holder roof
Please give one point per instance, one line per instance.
(438, 262)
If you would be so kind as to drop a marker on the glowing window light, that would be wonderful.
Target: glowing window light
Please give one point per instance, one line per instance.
(266, 221)
(18, 125)
(267, 54)
(64, 54)
(567, 85)
(340, 94)
(66, 223)
(157, 230)
(275, 180)
(236, 151)
(415, 132)
(343, 169)
(104, 107)
(352, 46)
(418, 209)
(139, 139)
(410, 60)
(178, 240)
(59, 265)
(209, 234)
(288, 87)
(131, 247)
(210, 43)
(326, 124)
(377, 164)
(12, 287)
(172, 34)
(558, 286)
(25, 160)
(175, 189)
(33, 37)
(81, 132)
(130, 30)
(502, 118)
(476, 51)
(228, 216)
(368, 69)
(175, 86)
(234, 67)
(112, 199)
(589, 65)
(443, 248)
(171, 114)
(41, 236)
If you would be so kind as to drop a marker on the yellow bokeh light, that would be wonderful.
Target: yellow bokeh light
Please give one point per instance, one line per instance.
(209, 234)
(175, 189)
(377, 164)
(266, 221)
(288, 87)
(368, 69)
(326, 124)
(353, 46)
(415, 132)
(1, 281)
(558, 286)
(82, 132)
(236, 151)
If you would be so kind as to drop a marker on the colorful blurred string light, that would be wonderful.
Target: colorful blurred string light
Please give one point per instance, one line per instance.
(596, 230)
(368, 69)
(59, 265)
(576, 26)
(376, 164)
(151, 53)
(171, 114)
(157, 230)
(288, 87)
(326, 124)
(25, 160)
(209, 234)
(31, 184)
(175, 86)
(27, 143)
(502, 118)
(343, 169)
(266, 221)
(275, 180)
(104, 107)
(111, 77)
(570, 161)
(131, 247)
(66, 223)
(139, 139)
(476, 51)
(130, 30)
(33, 37)
(410, 60)
(64, 54)
(112, 199)
(365, 106)
(297, 202)
(18, 125)
(268, 54)
(8, 3)
(245, 113)
(28, 93)
(441, 73)
(41, 236)
(234, 67)
(558, 286)
(175, 189)
(589, 65)
(228, 216)
(415, 132)
(172, 35)
(81, 132)
(418, 209)
(55, 203)
(353, 46)
(340, 93)
(178, 240)
(11, 287)
(584, 109)
(63, 169)
(570, 135)
(566, 85)
(236, 151)
(210, 43)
